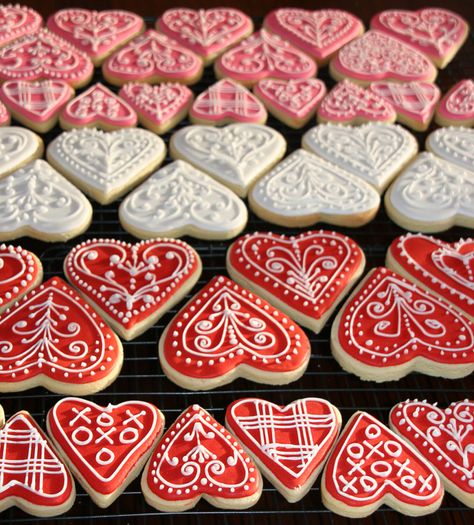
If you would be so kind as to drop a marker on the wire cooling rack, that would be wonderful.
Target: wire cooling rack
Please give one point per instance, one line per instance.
(142, 378)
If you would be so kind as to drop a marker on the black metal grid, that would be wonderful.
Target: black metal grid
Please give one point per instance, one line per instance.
(142, 377)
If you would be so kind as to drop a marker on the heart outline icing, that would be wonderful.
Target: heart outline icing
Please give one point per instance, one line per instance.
(457, 106)
(454, 144)
(17, 21)
(17, 145)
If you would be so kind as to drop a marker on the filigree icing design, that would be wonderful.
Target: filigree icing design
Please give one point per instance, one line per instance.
(455, 145)
(17, 145)
(451, 260)
(16, 21)
(457, 106)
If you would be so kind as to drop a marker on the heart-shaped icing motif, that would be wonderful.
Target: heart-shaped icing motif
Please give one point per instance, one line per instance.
(181, 200)
(17, 147)
(53, 338)
(455, 145)
(133, 284)
(106, 164)
(431, 195)
(98, 107)
(158, 107)
(457, 106)
(152, 57)
(304, 189)
(227, 101)
(445, 437)
(375, 151)
(37, 201)
(371, 465)
(445, 269)
(235, 155)
(223, 332)
(104, 445)
(319, 33)
(17, 21)
(379, 56)
(263, 55)
(390, 327)
(437, 33)
(305, 275)
(32, 475)
(20, 271)
(289, 443)
(197, 458)
(42, 55)
(96, 33)
(207, 32)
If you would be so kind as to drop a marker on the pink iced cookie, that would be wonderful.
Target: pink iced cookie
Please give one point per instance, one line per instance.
(457, 106)
(263, 55)
(153, 58)
(98, 107)
(42, 56)
(319, 33)
(378, 56)
(16, 21)
(293, 102)
(207, 32)
(437, 33)
(414, 102)
(4, 115)
(36, 104)
(159, 107)
(227, 101)
(96, 33)
(349, 103)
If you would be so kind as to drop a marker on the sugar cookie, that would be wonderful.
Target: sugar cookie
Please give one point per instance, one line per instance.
(18, 146)
(457, 106)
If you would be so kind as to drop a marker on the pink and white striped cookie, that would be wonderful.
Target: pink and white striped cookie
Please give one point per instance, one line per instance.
(17, 21)
(457, 106)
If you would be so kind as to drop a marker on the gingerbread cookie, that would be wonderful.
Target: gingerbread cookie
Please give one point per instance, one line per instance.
(18, 146)
(17, 21)
(457, 106)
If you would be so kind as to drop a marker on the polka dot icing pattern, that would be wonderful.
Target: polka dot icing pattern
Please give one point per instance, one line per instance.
(454, 144)
(17, 145)
(457, 106)
(17, 21)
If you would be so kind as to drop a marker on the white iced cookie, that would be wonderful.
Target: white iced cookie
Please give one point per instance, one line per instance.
(182, 200)
(18, 146)
(432, 195)
(39, 202)
(235, 155)
(375, 151)
(304, 189)
(455, 144)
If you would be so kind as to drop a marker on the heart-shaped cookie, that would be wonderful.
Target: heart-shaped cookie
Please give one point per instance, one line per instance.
(96, 33)
(105, 447)
(181, 200)
(291, 443)
(235, 155)
(371, 465)
(457, 106)
(304, 276)
(375, 152)
(132, 285)
(445, 437)
(225, 332)
(106, 164)
(379, 56)
(390, 327)
(5, 118)
(197, 458)
(264, 55)
(32, 476)
(53, 338)
(18, 146)
(17, 21)
(443, 268)
(455, 145)
(207, 32)
(319, 33)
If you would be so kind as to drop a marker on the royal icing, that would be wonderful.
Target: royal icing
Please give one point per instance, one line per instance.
(445, 437)
(444, 268)
(179, 199)
(42, 55)
(292, 441)
(54, 338)
(227, 101)
(235, 155)
(225, 327)
(4, 115)
(350, 103)
(198, 457)
(153, 57)
(207, 32)
(378, 56)
(371, 465)
(98, 107)
(306, 273)
(319, 33)
(457, 106)
(263, 55)
(375, 151)
(104, 444)
(36, 198)
(17, 146)
(454, 144)
(17, 21)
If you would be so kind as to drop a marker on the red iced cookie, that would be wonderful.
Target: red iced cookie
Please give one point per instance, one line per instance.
(457, 106)
(16, 21)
